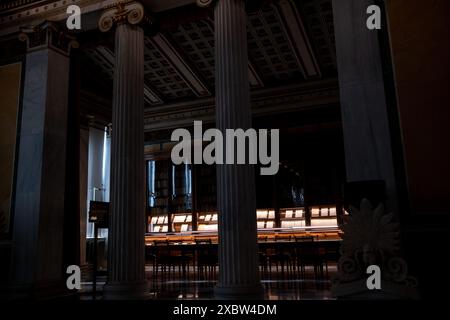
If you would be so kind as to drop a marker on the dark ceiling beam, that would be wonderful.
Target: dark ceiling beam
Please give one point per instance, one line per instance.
(171, 19)
(192, 79)
(253, 77)
(298, 37)
(150, 96)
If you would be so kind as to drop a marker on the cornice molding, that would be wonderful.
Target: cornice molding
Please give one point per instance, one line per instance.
(48, 35)
(263, 102)
(43, 10)
(11, 5)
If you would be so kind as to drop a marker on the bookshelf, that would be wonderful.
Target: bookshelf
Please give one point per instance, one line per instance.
(181, 222)
(323, 215)
(206, 188)
(169, 196)
(207, 221)
(293, 217)
(265, 218)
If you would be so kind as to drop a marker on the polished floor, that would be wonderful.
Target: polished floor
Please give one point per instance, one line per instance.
(278, 285)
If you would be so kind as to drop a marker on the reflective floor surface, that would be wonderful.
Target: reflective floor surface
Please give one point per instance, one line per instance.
(278, 285)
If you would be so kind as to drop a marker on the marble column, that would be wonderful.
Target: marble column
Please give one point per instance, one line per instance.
(238, 265)
(39, 203)
(367, 140)
(126, 263)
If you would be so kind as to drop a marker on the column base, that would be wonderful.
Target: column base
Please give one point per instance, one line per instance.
(126, 291)
(255, 292)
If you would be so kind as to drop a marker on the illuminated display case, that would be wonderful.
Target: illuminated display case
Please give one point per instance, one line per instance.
(158, 223)
(207, 221)
(169, 196)
(182, 222)
(292, 217)
(323, 216)
(265, 218)
(182, 198)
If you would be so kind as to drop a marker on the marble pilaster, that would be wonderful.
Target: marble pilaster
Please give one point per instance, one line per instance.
(37, 257)
(367, 140)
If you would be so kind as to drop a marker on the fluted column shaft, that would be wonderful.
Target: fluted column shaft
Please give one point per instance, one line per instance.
(238, 269)
(126, 262)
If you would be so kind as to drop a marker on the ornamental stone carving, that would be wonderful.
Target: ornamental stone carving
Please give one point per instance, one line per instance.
(123, 12)
(372, 237)
(48, 35)
(204, 3)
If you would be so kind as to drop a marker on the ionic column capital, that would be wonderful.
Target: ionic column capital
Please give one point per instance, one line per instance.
(130, 12)
(205, 3)
(211, 3)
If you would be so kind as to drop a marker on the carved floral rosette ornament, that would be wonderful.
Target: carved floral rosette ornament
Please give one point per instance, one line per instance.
(48, 35)
(123, 12)
(372, 237)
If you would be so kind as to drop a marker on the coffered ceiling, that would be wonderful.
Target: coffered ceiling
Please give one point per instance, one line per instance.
(288, 42)
(291, 50)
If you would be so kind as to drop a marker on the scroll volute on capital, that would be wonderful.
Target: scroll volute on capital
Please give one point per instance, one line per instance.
(131, 12)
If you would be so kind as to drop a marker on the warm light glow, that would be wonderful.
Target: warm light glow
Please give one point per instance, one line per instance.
(292, 223)
(207, 227)
(261, 214)
(178, 219)
(333, 212)
(315, 212)
(323, 222)
(289, 213)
